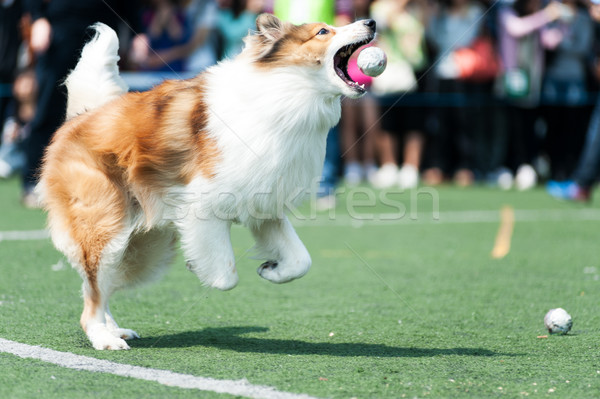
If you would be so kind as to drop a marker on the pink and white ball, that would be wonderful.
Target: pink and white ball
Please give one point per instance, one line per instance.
(372, 61)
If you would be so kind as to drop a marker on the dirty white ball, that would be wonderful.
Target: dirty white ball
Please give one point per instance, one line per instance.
(372, 61)
(558, 321)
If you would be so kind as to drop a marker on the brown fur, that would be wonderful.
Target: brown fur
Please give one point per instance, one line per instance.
(283, 44)
(300, 45)
(104, 163)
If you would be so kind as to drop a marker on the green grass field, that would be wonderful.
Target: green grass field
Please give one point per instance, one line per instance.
(412, 307)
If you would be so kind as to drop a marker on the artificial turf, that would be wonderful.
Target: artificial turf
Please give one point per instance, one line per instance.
(409, 308)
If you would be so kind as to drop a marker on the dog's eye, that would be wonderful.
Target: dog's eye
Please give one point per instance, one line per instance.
(323, 32)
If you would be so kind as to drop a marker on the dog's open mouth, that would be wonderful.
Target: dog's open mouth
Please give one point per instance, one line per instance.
(340, 63)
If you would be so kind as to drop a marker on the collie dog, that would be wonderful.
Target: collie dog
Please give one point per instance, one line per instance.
(130, 174)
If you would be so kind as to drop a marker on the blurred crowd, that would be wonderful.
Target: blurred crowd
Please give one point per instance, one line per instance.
(496, 92)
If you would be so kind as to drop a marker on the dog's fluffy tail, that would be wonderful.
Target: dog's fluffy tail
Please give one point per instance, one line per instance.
(95, 80)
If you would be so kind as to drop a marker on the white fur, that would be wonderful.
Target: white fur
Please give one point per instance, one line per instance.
(279, 151)
(95, 80)
(270, 127)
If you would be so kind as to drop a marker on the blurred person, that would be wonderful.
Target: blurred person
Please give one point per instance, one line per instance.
(456, 24)
(165, 27)
(401, 26)
(564, 90)
(489, 114)
(58, 33)
(199, 51)
(477, 67)
(579, 186)
(332, 12)
(16, 128)
(10, 40)
(523, 35)
(12, 158)
(202, 15)
(234, 19)
(360, 119)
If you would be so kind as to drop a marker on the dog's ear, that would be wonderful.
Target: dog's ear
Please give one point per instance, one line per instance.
(269, 26)
(270, 30)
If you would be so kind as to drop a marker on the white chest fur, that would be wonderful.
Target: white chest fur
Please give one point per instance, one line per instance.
(271, 129)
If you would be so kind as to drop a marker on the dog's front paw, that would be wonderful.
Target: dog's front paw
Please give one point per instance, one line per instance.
(279, 272)
(226, 282)
(221, 278)
(270, 264)
(102, 338)
(268, 271)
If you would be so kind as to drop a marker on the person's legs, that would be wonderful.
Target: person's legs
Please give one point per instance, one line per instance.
(370, 126)
(351, 141)
(576, 130)
(588, 166)
(5, 100)
(439, 144)
(517, 139)
(51, 69)
(413, 148)
(329, 177)
(463, 135)
(408, 175)
(51, 104)
(555, 142)
(385, 145)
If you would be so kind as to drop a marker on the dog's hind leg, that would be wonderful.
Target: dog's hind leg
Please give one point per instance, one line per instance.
(102, 276)
(127, 260)
(97, 321)
(287, 257)
(207, 248)
(89, 222)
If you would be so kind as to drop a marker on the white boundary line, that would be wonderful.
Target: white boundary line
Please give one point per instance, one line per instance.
(25, 235)
(450, 217)
(164, 377)
(391, 219)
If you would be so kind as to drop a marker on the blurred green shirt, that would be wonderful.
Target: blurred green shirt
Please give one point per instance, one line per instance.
(303, 11)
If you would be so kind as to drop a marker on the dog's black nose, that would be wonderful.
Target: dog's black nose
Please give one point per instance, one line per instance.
(371, 24)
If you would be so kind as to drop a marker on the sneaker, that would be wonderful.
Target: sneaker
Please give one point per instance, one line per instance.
(370, 171)
(408, 177)
(326, 203)
(6, 170)
(568, 190)
(505, 179)
(386, 176)
(353, 173)
(526, 178)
